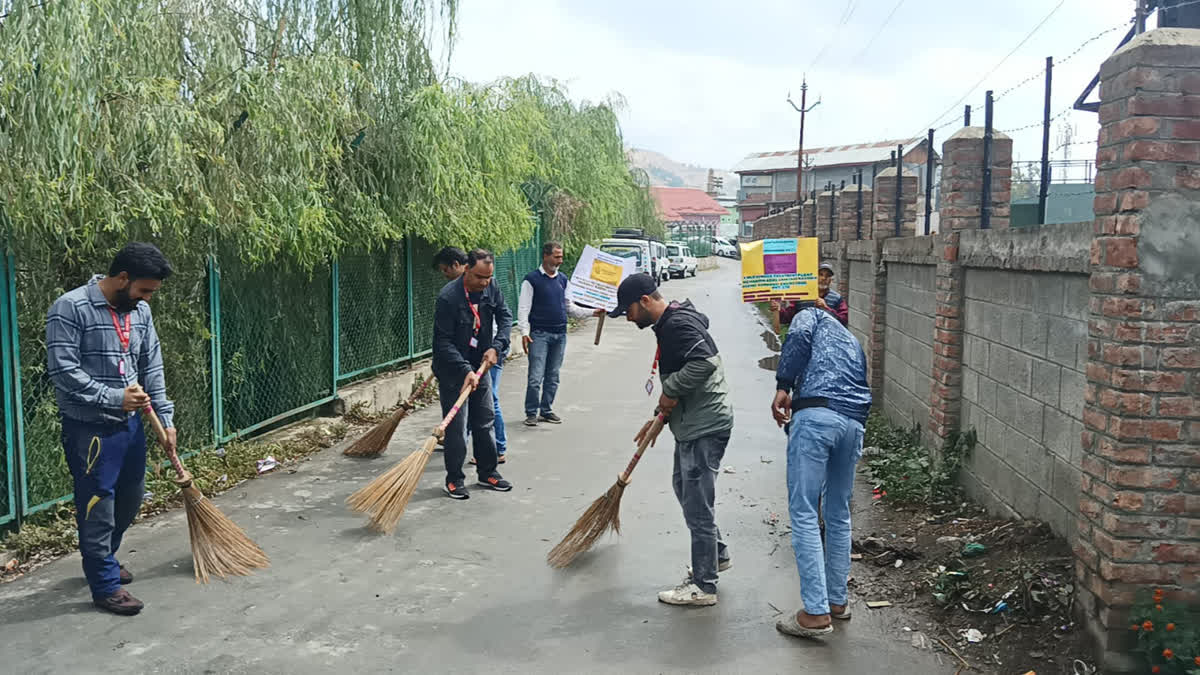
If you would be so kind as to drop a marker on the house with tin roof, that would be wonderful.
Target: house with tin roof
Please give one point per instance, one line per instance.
(767, 180)
(687, 206)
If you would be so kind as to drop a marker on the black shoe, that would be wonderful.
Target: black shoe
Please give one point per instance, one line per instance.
(551, 418)
(495, 482)
(531, 421)
(456, 491)
(126, 577)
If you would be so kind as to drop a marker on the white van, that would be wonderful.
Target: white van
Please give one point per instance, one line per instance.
(682, 261)
(650, 255)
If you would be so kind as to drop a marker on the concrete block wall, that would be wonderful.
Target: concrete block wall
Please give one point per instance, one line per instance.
(861, 282)
(1024, 358)
(908, 359)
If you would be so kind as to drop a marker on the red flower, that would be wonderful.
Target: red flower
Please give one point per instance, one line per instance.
(1148, 626)
(1197, 660)
(1158, 607)
(1170, 626)
(1155, 669)
(1135, 627)
(1168, 654)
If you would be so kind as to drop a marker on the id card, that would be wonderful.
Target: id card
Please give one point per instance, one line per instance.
(650, 386)
(474, 343)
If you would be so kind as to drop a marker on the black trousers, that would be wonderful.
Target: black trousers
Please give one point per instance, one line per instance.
(479, 414)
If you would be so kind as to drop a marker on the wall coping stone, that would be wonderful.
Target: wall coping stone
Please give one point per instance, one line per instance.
(1044, 248)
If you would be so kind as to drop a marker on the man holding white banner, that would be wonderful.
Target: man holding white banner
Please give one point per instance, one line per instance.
(542, 313)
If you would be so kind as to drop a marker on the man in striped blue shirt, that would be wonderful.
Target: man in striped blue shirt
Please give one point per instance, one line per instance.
(106, 364)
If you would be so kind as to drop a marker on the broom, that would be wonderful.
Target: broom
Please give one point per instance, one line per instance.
(375, 441)
(219, 547)
(385, 498)
(604, 513)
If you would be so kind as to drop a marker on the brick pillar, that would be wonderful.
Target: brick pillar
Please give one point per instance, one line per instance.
(875, 350)
(809, 226)
(962, 180)
(1140, 495)
(945, 399)
(847, 209)
(823, 218)
(885, 204)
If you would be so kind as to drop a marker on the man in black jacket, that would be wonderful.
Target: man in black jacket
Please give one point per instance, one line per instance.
(695, 400)
(469, 310)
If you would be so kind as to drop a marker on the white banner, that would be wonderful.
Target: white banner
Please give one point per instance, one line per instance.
(596, 278)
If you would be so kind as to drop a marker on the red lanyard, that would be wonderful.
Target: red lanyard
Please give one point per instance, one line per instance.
(470, 304)
(122, 335)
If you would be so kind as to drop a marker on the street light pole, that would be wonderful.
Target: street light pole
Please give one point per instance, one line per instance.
(803, 110)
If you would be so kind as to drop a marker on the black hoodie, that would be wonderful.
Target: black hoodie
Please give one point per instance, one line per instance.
(692, 373)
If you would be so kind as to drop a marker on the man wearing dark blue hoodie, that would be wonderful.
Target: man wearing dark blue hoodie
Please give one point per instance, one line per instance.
(823, 396)
(694, 399)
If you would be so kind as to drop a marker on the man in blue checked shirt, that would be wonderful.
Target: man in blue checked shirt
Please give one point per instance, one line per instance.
(823, 397)
(106, 364)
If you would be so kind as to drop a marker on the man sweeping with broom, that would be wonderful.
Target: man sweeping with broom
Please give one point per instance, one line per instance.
(105, 361)
(694, 398)
(471, 326)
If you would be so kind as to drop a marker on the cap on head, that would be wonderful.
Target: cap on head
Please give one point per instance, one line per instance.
(631, 290)
(825, 266)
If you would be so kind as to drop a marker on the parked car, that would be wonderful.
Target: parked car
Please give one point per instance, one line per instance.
(682, 262)
(663, 260)
(724, 248)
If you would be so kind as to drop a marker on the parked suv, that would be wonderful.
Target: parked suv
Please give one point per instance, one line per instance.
(682, 262)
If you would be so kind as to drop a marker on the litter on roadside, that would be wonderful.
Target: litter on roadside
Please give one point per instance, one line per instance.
(267, 464)
(972, 635)
(878, 604)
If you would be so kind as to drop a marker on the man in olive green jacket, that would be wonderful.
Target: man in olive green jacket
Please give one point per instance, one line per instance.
(695, 399)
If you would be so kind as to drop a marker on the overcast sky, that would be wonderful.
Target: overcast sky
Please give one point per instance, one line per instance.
(705, 81)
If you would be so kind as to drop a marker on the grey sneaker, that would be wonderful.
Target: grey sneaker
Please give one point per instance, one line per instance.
(688, 594)
(550, 418)
(531, 421)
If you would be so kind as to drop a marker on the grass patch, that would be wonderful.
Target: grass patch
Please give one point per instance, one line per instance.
(906, 471)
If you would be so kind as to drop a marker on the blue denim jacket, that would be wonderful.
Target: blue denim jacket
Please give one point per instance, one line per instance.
(821, 359)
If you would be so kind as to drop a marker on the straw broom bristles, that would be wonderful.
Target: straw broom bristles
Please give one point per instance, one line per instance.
(219, 546)
(385, 498)
(375, 441)
(604, 513)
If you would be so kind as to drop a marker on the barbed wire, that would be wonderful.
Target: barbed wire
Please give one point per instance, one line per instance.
(1039, 123)
(1060, 62)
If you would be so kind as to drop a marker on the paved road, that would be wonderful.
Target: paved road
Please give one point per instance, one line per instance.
(462, 586)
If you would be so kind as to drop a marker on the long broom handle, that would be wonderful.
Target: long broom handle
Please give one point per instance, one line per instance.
(599, 327)
(651, 434)
(161, 433)
(462, 398)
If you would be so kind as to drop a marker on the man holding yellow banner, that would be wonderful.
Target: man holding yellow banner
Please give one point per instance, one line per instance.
(779, 269)
(542, 313)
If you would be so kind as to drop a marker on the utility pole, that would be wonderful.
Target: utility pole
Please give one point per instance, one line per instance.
(1140, 12)
(803, 110)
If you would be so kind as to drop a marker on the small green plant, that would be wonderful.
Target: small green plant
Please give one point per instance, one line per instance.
(905, 471)
(1168, 635)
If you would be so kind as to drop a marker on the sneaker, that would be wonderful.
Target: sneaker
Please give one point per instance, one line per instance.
(456, 491)
(551, 418)
(722, 566)
(531, 421)
(501, 458)
(495, 482)
(126, 577)
(472, 461)
(688, 593)
(121, 603)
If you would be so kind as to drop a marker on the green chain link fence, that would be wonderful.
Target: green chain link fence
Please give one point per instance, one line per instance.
(245, 348)
(697, 237)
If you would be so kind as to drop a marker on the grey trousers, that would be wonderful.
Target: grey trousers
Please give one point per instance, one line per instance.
(695, 480)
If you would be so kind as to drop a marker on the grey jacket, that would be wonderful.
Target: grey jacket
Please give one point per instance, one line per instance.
(692, 374)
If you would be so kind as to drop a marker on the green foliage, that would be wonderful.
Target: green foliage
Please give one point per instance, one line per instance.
(905, 470)
(1168, 634)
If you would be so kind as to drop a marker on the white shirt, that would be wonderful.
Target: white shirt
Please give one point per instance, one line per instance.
(525, 303)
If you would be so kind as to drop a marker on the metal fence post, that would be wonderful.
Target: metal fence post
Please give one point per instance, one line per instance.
(985, 205)
(408, 273)
(1044, 188)
(858, 225)
(18, 402)
(899, 157)
(11, 472)
(214, 327)
(336, 313)
(929, 181)
(967, 115)
(832, 217)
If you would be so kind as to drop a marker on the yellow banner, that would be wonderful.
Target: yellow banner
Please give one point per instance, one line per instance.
(779, 269)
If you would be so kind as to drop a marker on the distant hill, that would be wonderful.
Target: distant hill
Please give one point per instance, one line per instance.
(666, 172)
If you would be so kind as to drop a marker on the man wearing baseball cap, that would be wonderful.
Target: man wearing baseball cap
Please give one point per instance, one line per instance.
(694, 398)
(827, 299)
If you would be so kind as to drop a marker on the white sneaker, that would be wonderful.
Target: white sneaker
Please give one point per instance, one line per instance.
(688, 593)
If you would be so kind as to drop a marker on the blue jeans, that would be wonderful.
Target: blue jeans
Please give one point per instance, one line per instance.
(501, 438)
(823, 448)
(545, 360)
(108, 465)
